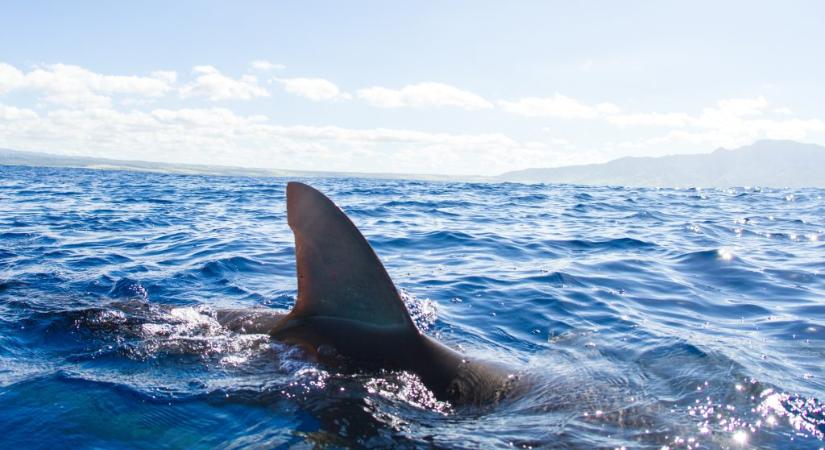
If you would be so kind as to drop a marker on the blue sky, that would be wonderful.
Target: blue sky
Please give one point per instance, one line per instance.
(426, 87)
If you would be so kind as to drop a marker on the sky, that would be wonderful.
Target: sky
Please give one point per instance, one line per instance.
(443, 87)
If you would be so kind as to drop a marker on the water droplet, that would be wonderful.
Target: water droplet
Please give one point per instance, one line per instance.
(725, 253)
(740, 437)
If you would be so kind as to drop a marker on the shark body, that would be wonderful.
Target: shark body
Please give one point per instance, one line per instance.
(348, 312)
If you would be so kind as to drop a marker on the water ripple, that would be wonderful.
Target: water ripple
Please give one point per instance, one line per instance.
(680, 318)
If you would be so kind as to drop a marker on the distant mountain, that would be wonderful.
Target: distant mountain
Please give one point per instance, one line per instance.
(764, 163)
(37, 159)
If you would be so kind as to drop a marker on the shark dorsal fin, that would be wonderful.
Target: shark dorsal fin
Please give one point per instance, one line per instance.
(339, 274)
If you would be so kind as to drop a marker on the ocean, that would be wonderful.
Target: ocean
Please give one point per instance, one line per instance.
(643, 318)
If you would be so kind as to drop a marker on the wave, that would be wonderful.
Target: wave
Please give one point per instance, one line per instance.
(638, 314)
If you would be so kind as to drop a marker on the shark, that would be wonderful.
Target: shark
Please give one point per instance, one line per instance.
(349, 315)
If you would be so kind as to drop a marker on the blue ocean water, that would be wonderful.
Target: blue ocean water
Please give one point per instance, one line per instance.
(643, 318)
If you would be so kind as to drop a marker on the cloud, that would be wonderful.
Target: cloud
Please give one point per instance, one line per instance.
(265, 66)
(76, 87)
(10, 78)
(211, 84)
(77, 110)
(651, 119)
(221, 136)
(204, 117)
(726, 113)
(729, 123)
(84, 119)
(13, 113)
(742, 106)
(423, 95)
(168, 76)
(558, 106)
(315, 89)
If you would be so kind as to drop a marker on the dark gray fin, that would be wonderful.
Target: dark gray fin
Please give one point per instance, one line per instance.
(339, 274)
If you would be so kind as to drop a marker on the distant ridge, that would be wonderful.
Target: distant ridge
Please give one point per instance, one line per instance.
(10, 157)
(765, 163)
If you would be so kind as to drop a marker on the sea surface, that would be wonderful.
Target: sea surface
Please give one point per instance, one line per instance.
(643, 318)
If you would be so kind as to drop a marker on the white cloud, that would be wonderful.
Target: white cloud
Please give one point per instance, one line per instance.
(13, 113)
(204, 117)
(730, 123)
(558, 106)
(107, 115)
(798, 129)
(76, 87)
(210, 83)
(10, 78)
(727, 113)
(169, 76)
(742, 106)
(315, 89)
(220, 136)
(673, 120)
(423, 95)
(608, 108)
(265, 66)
